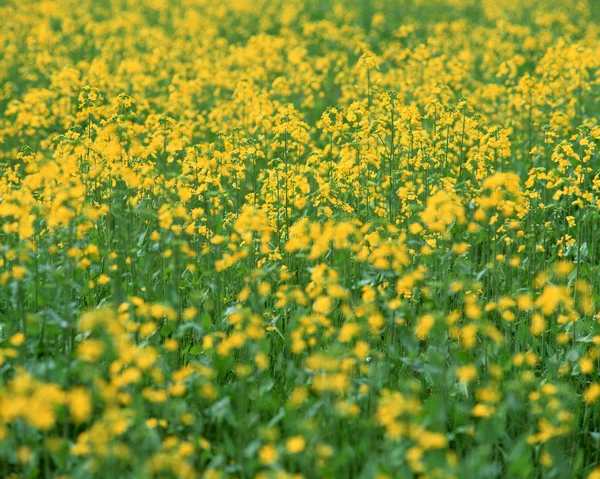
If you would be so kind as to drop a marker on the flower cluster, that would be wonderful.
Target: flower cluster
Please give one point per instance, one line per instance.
(287, 239)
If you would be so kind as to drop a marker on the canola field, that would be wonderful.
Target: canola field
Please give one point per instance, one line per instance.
(299, 239)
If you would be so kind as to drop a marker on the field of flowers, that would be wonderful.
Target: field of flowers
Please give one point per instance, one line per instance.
(299, 239)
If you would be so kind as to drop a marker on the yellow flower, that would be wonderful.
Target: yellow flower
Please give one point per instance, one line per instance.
(264, 289)
(298, 396)
(268, 454)
(361, 349)
(431, 440)
(189, 313)
(295, 444)
(376, 322)
(348, 331)
(90, 350)
(482, 410)
(171, 345)
(18, 272)
(24, 454)
(41, 416)
(595, 474)
(586, 365)
(538, 324)
(592, 393)
(466, 374)
(17, 339)
(563, 268)
(424, 325)
(80, 404)
(415, 228)
(322, 305)
(261, 360)
(546, 459)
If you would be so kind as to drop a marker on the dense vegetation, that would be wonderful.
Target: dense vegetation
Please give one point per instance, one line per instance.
(294, 238)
